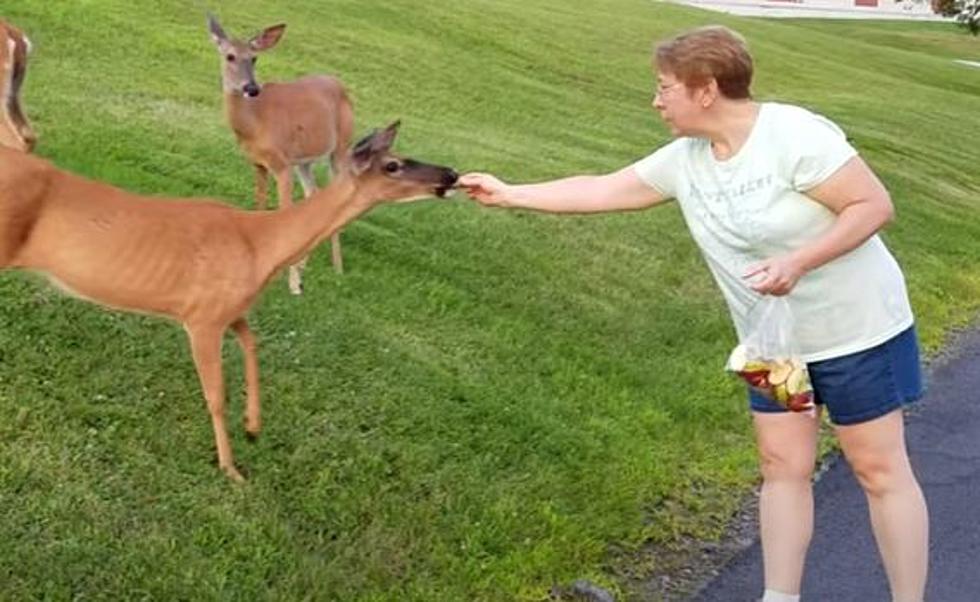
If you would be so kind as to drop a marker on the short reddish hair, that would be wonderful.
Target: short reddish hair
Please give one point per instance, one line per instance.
(697, 56)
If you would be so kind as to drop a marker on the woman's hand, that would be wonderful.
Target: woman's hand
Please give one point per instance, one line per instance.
(775, 276)
(485, 188)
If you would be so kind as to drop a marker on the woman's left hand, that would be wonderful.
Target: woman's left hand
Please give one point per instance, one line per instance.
(775, 276)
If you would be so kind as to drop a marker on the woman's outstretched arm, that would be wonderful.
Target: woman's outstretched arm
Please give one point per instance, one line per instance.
(622, 190)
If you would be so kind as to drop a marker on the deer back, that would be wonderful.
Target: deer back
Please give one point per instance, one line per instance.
(293, 121)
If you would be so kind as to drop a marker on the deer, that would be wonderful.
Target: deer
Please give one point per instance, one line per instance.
(15, 130)
(283, 125)
(199, 262)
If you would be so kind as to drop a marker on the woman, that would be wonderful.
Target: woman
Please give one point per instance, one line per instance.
(781, 204)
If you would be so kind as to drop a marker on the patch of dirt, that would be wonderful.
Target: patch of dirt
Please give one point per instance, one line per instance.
(677, 571)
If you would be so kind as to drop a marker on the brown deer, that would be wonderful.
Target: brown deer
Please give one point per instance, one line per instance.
(283, 125)
(15, 130)
(196, 261)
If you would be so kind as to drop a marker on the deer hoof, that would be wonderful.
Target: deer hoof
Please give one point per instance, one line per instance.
(232, 473)
(252, 427)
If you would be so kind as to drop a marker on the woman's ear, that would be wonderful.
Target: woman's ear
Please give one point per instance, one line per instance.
(709, 93)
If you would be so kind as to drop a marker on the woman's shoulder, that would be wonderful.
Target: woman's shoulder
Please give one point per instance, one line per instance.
(784, 114)
(679, 148)
(787, 112)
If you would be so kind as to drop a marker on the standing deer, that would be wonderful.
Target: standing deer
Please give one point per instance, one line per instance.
(15, 130)
(196, 261)
(283, 125)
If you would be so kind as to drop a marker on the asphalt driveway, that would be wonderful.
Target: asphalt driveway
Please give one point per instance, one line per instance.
(943, 433)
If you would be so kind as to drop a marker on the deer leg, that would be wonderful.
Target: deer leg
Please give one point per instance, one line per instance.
(339, 159)
(261, 186)
(307, 179)
(336, 257)
(284, 184)
(253, 415)
(206, 350)
(339, 163)
(308, 182)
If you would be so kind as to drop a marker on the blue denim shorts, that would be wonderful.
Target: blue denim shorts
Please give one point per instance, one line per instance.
(865, 385)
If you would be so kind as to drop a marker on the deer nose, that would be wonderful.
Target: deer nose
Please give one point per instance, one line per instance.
(251, 89)
(449, 177)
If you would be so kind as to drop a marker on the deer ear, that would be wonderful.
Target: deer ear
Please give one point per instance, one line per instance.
(383, 140)
(269, 37)
(362, 153)
(217, 34)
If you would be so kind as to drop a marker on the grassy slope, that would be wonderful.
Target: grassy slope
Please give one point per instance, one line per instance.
(486, 401)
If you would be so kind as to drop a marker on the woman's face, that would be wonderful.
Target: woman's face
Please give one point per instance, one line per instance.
(679, 106)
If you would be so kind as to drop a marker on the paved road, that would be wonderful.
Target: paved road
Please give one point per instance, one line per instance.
(943, 433)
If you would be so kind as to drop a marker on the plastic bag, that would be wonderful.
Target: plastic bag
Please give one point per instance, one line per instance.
(768, 359)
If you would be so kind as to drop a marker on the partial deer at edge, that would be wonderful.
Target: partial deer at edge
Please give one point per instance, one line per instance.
(199, 262)
(15, 130)
(283, 125)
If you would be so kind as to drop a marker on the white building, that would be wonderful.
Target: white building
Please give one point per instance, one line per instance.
(835, 9)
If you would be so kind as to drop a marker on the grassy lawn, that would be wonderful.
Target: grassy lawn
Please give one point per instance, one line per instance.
(488, 403)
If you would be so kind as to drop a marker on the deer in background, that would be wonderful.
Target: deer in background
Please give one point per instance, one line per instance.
(196, 261)
(15, 130)
(283, 125)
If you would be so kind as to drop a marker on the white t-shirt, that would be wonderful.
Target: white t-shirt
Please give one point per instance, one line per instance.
(752, 206)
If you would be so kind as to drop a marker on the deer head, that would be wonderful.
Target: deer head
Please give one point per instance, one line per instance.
(239, 58)
(15, 130)
(382, 175)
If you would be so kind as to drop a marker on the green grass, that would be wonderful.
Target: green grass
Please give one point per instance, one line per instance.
(488, 403)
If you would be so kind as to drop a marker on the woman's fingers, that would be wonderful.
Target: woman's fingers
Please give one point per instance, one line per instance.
(473, 184)
(768, 281)
(475, 180)
(772, 285)
(482, 187)
(774, 276)
(755, 269)
(761, 275)
(469, 180)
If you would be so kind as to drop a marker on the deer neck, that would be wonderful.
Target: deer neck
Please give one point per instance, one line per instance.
(287, 235)
(242, 114)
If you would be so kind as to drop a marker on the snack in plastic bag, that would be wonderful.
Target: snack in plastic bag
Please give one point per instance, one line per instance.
(785, 381)
(767, 359)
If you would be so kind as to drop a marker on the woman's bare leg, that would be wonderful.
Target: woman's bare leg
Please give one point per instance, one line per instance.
(787, 453)
(899, 518)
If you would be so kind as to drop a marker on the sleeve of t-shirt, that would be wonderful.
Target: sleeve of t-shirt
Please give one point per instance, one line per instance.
(660, 169)
(820, 149)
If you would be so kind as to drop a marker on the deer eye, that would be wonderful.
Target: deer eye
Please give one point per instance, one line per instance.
(231, 58)
(391, 167)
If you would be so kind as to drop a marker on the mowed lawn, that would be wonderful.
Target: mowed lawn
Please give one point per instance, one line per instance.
(487, 403)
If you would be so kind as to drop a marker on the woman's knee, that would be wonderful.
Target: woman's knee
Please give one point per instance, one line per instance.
(785, 464)
(877, 454)
(787, 445)
(882, 474)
